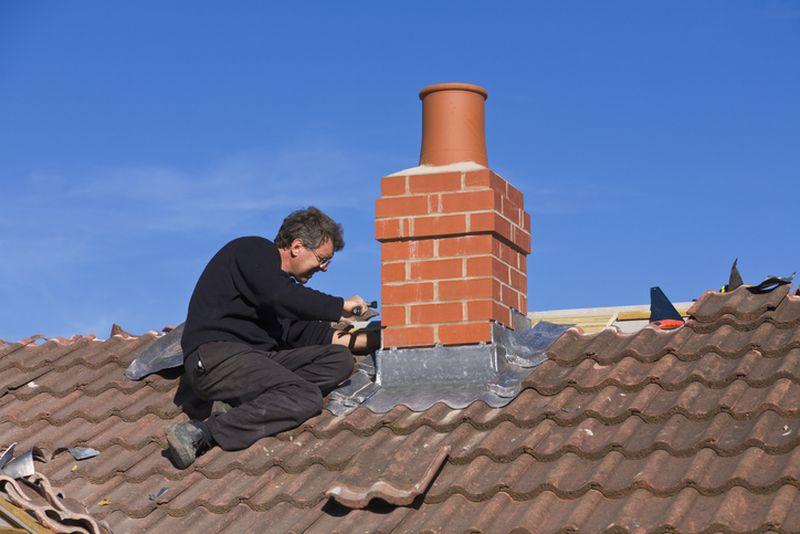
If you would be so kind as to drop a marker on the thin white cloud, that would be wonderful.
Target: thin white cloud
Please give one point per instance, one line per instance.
(175, 200)
(50, 220)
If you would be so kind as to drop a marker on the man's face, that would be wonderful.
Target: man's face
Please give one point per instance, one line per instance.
(306, 262)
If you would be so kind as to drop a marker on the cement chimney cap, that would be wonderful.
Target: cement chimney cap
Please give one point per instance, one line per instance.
(453, 86)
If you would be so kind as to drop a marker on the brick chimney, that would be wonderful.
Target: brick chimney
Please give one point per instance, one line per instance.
(454, 236)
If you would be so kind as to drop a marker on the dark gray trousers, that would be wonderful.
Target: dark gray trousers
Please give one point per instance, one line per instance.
(269, 391)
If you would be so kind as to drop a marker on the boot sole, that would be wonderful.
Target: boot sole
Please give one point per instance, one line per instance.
(182, 455)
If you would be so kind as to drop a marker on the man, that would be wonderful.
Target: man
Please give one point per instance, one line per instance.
(260, 341)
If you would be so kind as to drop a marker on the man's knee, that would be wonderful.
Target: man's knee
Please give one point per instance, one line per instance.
(344, 361)
(308, 402)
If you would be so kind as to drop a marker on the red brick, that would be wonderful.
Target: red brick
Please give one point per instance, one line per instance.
(514, 195)
(506, 253)
(526, 221)
(436, 269)
(509, 297)
(523, 263)
(461, 334)
(393, 272)
(393, 315)
(511, 211)
(502, 315)
(449, 312)
(481, 222)
(480, 310)
(521, 239)
(490, 221)
(485, 178)
(401, 206)
(439, 225)
(405, 293)
(487, 266)
(432, 183)
(465, 246)
(465, 289)
(470, 201)
(407, 250)
(502, 226)
(523, 304)
(519, 281)
(435, 203)
(408, 336)
(485, 310)
(393, 186)
(389, 228)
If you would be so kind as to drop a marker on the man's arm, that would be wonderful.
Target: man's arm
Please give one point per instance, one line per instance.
(259, 277)
(359, 342)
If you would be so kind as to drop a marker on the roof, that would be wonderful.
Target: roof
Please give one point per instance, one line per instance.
(692, 429)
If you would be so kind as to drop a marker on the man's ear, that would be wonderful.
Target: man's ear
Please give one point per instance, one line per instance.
(296, 247)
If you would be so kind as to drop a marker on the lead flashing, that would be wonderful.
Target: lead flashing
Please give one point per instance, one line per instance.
(457, 376)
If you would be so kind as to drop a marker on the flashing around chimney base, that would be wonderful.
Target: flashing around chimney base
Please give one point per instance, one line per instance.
(418, 378)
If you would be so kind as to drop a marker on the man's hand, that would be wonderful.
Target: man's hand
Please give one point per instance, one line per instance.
(350, 305)
(345, 320)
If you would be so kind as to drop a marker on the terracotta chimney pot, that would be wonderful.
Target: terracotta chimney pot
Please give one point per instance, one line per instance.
(453, 124)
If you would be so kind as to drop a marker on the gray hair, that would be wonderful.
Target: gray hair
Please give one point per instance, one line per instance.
(312, 227)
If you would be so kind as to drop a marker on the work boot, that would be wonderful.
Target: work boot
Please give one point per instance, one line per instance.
(186, 441)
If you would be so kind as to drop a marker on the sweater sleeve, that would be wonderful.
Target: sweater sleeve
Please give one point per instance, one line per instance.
(258, 268)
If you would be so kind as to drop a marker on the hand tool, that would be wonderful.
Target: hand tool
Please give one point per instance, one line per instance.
(357, 310)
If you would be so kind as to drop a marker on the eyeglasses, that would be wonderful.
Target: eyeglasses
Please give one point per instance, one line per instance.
(323, 262)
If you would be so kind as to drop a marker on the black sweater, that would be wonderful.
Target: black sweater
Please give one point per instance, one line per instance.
(244, 296)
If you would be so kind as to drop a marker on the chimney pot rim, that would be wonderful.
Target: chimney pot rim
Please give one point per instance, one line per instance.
(453, 86)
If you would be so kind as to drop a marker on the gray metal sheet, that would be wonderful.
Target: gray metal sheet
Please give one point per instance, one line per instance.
(164, 353)
(78, 453)
(456, 376)
(7, 455)
(22, 465)
(436, 365)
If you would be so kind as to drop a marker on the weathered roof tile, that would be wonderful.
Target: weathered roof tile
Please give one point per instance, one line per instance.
(692, 429)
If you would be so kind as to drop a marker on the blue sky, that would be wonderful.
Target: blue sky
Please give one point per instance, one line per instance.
(654, 141)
